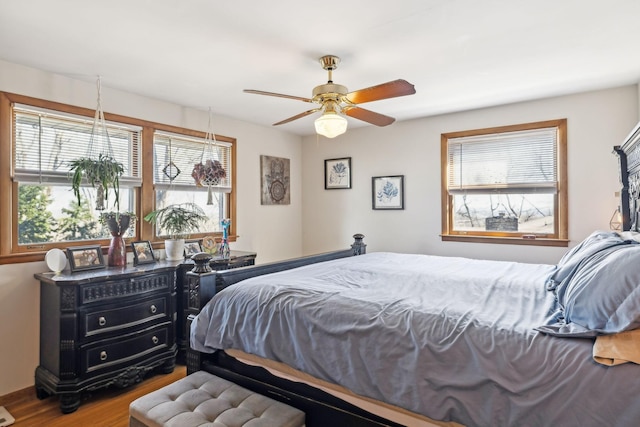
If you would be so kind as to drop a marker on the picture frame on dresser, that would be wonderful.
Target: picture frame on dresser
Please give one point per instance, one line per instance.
(142, 252)
(192, 247)
(85, 258)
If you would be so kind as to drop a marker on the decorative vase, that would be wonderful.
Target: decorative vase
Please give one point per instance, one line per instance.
(118, 225)
(224, 250)
(174, 249)
(117, 255)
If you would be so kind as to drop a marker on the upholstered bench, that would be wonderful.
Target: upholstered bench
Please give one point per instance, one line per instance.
(202, 399)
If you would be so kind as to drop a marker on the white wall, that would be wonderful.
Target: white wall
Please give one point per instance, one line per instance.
(596, 122)
(274, 232)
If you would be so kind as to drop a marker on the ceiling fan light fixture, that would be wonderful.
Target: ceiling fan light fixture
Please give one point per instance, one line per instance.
(331, 124)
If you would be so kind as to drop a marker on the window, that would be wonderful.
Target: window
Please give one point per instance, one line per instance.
(506, 185)
(44, 144)
(174, 158)
(39, 211)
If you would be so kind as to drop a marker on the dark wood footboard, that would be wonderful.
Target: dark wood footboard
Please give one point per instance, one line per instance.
(321, 408)
(203, 285)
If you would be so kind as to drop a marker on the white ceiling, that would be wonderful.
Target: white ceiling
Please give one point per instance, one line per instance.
(459, 54)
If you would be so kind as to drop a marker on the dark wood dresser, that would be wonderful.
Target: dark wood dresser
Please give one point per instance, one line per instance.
(105, 327)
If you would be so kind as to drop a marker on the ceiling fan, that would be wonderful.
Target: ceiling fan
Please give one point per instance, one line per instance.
(334, 100)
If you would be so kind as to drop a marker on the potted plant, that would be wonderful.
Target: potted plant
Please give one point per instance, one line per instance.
(176, 221)
(104, 174)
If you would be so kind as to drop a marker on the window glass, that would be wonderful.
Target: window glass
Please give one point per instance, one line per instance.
(50, 213)
(506, 213)
(215, 211)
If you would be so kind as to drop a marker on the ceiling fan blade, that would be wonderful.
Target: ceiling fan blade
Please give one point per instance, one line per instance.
(383, 91)
(368, 116)
(297, 116)
(260, 92)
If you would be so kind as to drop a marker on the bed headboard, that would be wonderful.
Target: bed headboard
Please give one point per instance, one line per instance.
(629, 156)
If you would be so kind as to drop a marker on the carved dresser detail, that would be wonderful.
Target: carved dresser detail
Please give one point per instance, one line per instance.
(103, 328)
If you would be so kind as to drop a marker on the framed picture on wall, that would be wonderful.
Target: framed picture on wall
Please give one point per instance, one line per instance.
(85, 258)
(387, 192)
(337, 173)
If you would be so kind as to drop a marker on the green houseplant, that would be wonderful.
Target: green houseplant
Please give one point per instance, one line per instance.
(103, 174)
(176, 221)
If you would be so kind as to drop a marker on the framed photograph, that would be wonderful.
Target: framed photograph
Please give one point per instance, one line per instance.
(142, 252)
(192, 247)
(85, 258)
(388, 192)
(337, 173)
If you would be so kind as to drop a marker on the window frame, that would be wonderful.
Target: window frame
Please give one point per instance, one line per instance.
(144, 195)
(560, 235)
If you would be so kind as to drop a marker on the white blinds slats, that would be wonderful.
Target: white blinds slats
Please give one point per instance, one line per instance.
(184, 152)
(46, 143)
(511, 162)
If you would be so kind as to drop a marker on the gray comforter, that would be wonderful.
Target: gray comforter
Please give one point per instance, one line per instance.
(449, 338)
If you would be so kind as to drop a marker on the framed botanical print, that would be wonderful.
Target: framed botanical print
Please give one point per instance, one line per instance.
(337, 173)
(388, 192)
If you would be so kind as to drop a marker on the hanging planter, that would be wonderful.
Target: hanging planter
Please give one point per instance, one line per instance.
(103, 173)
(210, 172)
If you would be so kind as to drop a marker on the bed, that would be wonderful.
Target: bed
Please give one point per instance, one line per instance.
(436, 340)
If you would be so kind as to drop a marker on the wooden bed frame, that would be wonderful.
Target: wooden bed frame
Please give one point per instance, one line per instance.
(629, 157)
(323, 409)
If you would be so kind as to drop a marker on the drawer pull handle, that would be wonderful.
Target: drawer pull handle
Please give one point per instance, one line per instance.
(155, 339)
(103, 355)
(153, 309)
(102, 321)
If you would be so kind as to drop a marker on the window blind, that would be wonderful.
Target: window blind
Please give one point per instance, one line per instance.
(510, 162)
(183, 152)
(45, 142)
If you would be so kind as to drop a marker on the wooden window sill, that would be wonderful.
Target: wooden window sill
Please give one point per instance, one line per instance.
(540, 241)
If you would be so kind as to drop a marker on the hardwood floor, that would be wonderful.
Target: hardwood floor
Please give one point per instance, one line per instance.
(103, 408)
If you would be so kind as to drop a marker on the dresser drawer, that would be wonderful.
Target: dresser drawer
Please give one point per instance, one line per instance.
(125, 350)
(114, 317)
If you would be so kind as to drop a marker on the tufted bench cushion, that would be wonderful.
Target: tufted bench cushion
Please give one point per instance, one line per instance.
(202, 399)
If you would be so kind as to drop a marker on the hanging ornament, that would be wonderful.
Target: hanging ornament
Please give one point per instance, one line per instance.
(171, 170)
